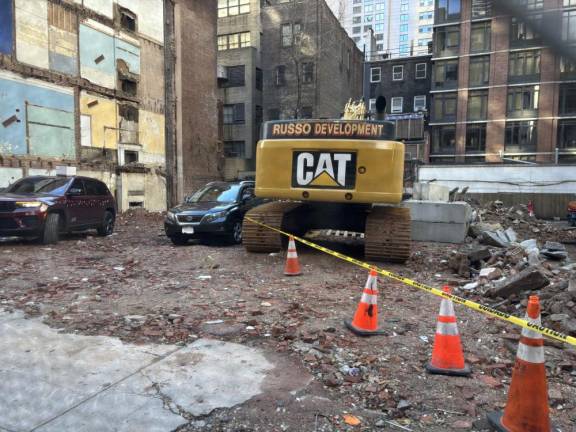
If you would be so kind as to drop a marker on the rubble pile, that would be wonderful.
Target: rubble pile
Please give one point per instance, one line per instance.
(509, 255)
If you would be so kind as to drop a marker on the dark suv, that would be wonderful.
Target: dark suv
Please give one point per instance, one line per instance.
(44, 207)
(216, 210)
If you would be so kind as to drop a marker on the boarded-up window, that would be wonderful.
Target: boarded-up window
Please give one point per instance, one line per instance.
(62, 18)
(86, 131)
(50, 132)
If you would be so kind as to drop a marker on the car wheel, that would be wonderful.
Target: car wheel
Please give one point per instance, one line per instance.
(107, 227)
(51, 232)
(179, 240)
(236, 233)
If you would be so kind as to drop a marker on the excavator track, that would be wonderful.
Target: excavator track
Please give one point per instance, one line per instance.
(255, 237)
(388, 234)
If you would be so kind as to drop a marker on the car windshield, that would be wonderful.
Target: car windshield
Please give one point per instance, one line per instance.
(216, 193)
(39, 185)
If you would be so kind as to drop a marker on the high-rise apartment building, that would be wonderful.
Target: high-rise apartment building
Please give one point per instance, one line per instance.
(503, 81)
(401, 27)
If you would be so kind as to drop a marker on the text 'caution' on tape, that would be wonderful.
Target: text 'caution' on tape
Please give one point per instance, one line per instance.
(552, 334)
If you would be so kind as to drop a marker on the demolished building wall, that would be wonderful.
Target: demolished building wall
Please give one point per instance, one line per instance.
(82, 85)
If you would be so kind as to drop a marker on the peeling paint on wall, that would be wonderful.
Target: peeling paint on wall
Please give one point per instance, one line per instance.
(129, 53)
(32, 32)
(36, 118)
(152, 132)
(6, 26)
(102, 124)
(97, 62)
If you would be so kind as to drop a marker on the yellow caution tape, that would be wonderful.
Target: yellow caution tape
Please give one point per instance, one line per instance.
(552, 334)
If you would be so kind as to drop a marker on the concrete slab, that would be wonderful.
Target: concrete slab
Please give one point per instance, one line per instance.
(51, 381)
(441, 222)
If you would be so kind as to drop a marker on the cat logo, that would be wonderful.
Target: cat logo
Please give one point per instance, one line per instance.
(324, 170)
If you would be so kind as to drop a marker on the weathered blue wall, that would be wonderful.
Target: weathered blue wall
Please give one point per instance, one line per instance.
(6, 26)
(130, 54)
(50, 119)
(97, 45)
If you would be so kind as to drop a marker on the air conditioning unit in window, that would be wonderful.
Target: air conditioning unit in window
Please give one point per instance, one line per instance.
(221, 73)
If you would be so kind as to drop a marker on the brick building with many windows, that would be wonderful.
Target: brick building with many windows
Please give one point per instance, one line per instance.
(503, 81)
(280, 59)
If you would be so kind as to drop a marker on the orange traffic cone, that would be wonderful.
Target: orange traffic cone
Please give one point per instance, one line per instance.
(292, 267)
(365, 322)
(527, 407)
(447, 355)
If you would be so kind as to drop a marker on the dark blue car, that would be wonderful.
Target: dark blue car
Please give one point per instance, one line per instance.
(216, 210)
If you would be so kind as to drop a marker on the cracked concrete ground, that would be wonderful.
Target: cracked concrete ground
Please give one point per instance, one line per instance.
(53, 382)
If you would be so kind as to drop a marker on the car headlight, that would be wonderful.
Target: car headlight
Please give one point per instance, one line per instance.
(213, 216)
(28, 204)
(171, 216)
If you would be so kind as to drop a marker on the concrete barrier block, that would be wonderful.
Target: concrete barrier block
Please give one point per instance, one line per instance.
(431, 192)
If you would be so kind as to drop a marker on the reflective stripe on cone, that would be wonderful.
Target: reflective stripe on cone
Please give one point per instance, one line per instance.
(365, 321)
(447, 355)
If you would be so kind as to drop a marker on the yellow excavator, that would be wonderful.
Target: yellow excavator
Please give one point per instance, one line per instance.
(341, 175)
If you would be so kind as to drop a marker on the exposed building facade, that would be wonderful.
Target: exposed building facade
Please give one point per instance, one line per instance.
(504, 81)
(82, 83)
(405, 84)
(401, 27)
(280, 59)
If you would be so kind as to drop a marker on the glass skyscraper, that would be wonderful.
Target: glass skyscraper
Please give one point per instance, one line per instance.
(401, 27)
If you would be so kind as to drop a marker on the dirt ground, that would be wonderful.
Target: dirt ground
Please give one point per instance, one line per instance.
(139, 287)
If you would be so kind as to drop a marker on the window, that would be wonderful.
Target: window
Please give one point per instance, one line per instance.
(357, 30)
(569, 25)
(419, 103)
(372, 105)
(447, 41)
(307, 72)
(524, 33)
(259, 79)
(475, 141)
(94, 187)
(233, 7)
(567, 139)
(398, 73)
(403, 28)
(77, 187)
(567, 3)
(444, 106)
(478, 105)
(523, 101)
(443, 141)
(357, 20)
(274, 114)
(567, 69)
(480, 35)
(306, 112)
(234, 149)
(446, 74)
(520, 137)
(280, 75)
(420, 70)
(127, 85)
(567, 99)
(447, 10)
(375, 74)
(130, 156)
(128, 19)
(530, 4)
(234, 114)
(397, 105)
(481, 8)
(524, 65)
(233, 41)
(286, 32)
(479, 71)
(236, 76)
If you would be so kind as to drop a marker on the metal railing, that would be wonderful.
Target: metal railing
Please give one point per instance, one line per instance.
(510, 157)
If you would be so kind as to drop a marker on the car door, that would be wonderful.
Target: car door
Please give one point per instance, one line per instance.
(247, 199)
(75, 204)
(95, 202)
